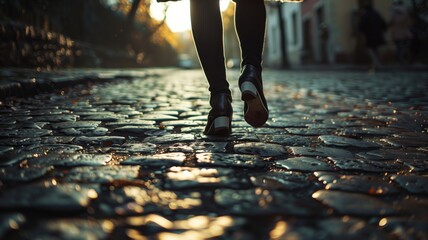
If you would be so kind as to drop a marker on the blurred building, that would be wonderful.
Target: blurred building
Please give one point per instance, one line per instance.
(288, 32)
(320, 32)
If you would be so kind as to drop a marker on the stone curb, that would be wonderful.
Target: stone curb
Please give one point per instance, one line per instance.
(28, 85)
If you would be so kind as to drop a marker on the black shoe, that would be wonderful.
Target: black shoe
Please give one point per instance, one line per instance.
(256, 111)
(220, 116)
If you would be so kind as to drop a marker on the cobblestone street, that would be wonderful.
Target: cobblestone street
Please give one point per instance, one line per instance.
(343, 156)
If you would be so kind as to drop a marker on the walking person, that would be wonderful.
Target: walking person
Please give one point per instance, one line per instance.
(207, 30)
(400, 25)
(372, 26)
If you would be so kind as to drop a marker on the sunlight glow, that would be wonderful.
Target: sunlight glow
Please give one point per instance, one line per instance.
(279, 230)
(178, 13)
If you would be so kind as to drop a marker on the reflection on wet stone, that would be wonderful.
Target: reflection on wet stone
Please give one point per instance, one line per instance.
(262, 149)
(158, 117)
(180, 147)
(185, 177)
(10, 158)
(63, 198)
(130, 122)
(8, 121)
(212, 147)
(191, 227)
(19, 141)
(10, 221)
(78, 124)
(290, 140)
(278, 123)
(392, 154)
(135, 129)
(170, 138)
(57, 140)
(245, 137)
(262, 201)
(408, 140)
(71, 160)
(4, 149)
(280, 180)
(142, 148)
(357, 132)
(181, 123)
(104, 117)
(337, 141)
(309, 131)
(104, 174)
(416, 165)
(99, 131)
(69, 229)
(24, 133)
(7, 133)
(356, 183)
(304, 164)
(412, 183)
(367, 165)
(56, 118)
(43, 112)
(152, 199)
(351, 203)
(326, 229)
(320, 152)
(16, 174)
(157, 160)
(229, 160)
(54, 148)
(404, 228)
(102, 140)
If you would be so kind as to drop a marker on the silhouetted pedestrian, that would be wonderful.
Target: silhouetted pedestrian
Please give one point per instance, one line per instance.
(372, 26)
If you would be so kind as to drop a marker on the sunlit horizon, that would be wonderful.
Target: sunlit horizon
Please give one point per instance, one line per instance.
(178, 13)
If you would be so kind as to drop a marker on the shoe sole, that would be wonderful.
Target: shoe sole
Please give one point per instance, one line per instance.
(220, 126)
(256, 114)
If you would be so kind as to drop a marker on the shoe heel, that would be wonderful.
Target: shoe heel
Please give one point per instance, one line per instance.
(221, 123)
(248, 90)
(219, 126)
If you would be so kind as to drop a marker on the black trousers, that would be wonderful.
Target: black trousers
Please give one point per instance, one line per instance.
(207, 29)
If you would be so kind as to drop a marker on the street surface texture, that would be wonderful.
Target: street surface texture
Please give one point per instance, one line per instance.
(343, 156)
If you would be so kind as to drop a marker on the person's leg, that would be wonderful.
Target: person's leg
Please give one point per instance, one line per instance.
(207, 29)
(374, 56)
(399, 51)
(250, 22)
(207, 32)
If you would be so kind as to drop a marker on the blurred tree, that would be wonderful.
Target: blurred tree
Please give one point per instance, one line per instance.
(149, 36)
(134, 7)
(122, 35)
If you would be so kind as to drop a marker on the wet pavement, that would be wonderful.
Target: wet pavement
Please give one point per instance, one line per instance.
(343, 156)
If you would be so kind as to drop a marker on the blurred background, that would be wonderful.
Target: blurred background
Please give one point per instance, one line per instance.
(51, 34)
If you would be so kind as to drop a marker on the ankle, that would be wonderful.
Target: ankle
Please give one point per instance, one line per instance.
(223, 91)
(258, 67)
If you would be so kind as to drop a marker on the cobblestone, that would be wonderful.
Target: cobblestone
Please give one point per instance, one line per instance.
(351, 203)
(356, 183)
(67, 197)
(343, 156)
